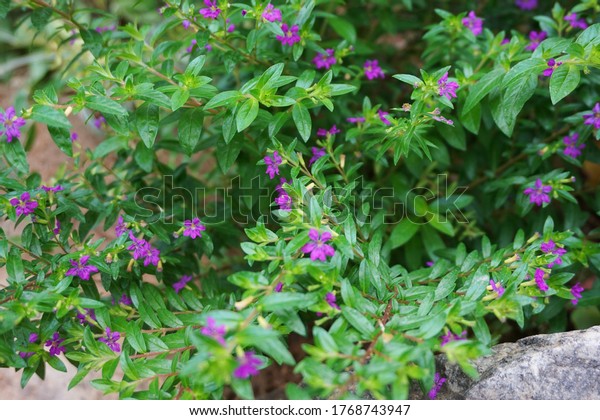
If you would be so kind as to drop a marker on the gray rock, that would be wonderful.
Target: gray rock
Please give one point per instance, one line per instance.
(564, 366)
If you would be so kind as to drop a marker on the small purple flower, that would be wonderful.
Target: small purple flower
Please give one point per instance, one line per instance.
(539, 194)
(594, 117)
(325, 60)
(535, 38)
(55, 345)
(178, 286)
(84, 317)
(56, 229)
(442, 119)
(559, 252)
(356, 120)
(152, 256)
(576, 23)
(497, 287)
(247, 366)
(211, 11)
(547, 247)
(539, 279)
(138, 246)
(111, 340)
(526, 4)
(270, 13)
(33, 337)
(383, 117)
(231, 28)
(56, 188)
(273, 164)
(317, 247)
(446, 88)
(330, 299)
(290, 35)
(278, 288)
(121, 227)
(576, 292)
(244, 12)
(323, 132)
(438, 381)
(284, 201)
(193, 228)
(211, 329)
(24, 205)
(186, 24)
(74, 136)
(552, 65)
(572, 149)
(99, 122)
(429, 263)
(124, 299)
(12, 124)
(191, 47)
(81, 268)
(450, 336)
(372, 70)
(316, 155)
(473, 23)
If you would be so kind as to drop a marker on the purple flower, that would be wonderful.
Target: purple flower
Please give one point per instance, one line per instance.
(231, 28)
(138, 246)
(317, 246)
(191, 47)
(33, 337)
(247, 366)
(539, 279)
(383, 117)
(594, 117)
(273, 164)
(290, 35)
(505, 41)
(193, 228)
(12, 124)
(438, 381)
(186, 24)
(450, 336)
(575, 291)
(497, 287)
(121, 227)
(57, 188)
(535, 38)
(539, 194)
(316, 155)
(55, 345)
(74, 136)
(84, 317)
(526, 4)
(81, 268)
(442, 119)
(356, 120)
(270, 13)
(178, 286)
(152, 256)
(559, 252)
(99, 122)
(284, 201)
(446, 88)
(372, 70)
(547, 247)
(552, 65)
(244, 12)
(330, 299)
(325, 60)
(211, 329)
(474, 23)
(124, 299)
(572, 149)
(429, 263)
(111, 340)
(576, 23)
(278, 288)
(211, 11)
(56, 229)
(24, 205)
(323, 132)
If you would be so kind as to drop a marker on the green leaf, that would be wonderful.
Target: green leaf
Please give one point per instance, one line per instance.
(446, 285)
(564, 80)
(62, 138)
(15, 154)
(14, 266)
(4, 8)
(92, 41)
(144, 157)
(302, 120)
(190, 129)
(196, 65)
(246, 114)
(358, 321)
(146, 122)
(179, 98)
(286, 300)
(224, 99)
(408, 78)
(403, 232)
(106, 105)
(443, 225)
(227, 154)
(40, 17)
(482, 88)
(344, 29)
(51, 117)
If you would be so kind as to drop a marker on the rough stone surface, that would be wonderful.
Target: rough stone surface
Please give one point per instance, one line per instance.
(564, 366)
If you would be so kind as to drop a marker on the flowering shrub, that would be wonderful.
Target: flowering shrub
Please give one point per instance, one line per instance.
(265, 173)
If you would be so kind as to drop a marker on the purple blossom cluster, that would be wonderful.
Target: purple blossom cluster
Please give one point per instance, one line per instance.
(473, 23)
(323, 132)
(372, 70)
(576, 292)
(552, 65)
(325, 60)
(438, 381)
(283, 200)
(85, 317)
(55, 344)
(594, 117)
(317, 153)
(214, 331)
(211, 11)
(317, 245)
(273, 163)
(535, 39)
(497, 287)
(193, 228)
(81, 268)
(142, 249)
(446, 88)
(572, 149)
(540, 279)
(248, 365)
(11, 124)
(539, 194)
(271, 14)
(551, 248)
(290, 35)
(24, 205)
(526, 4)
(179, 285)
(575, 22)
(331, 301)
(33, 338)
(111, 339)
